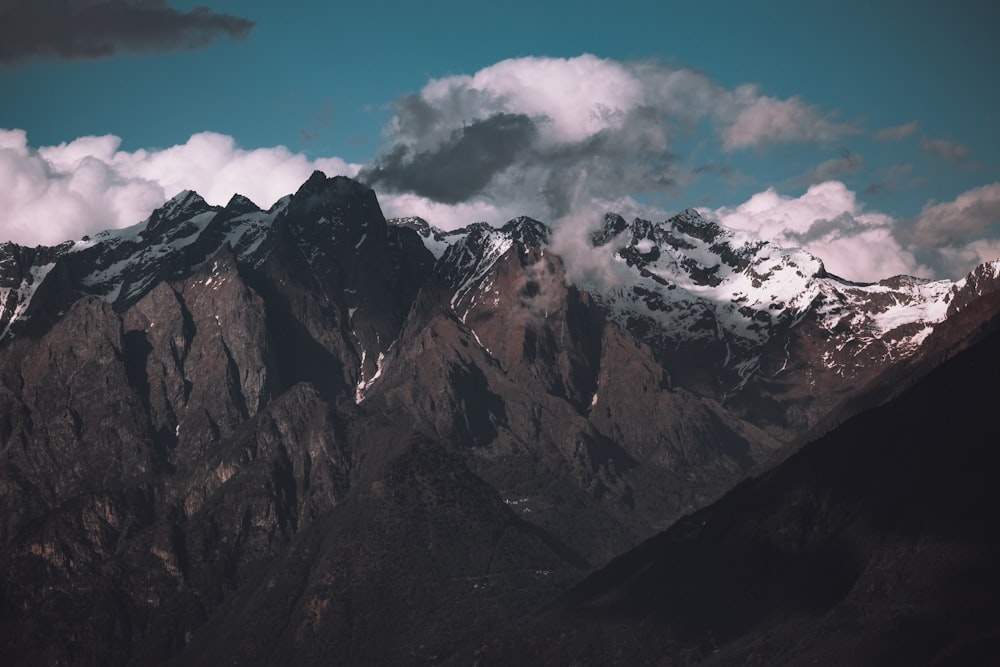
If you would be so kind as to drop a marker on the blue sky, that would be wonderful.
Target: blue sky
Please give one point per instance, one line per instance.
(865, 133)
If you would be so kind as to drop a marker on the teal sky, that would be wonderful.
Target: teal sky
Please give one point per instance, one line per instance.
(323, 79)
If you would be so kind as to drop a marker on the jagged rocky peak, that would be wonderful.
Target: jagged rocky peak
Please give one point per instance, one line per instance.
(527, 230)
(612, 226)
(337, 200)
(414, 222)
(319, 190)
(643, 229)
(13, 260)
(984, 279)
(900, 282)
(8, 252)
(437, 241)
(692, 223)
(184, 201)
(688, 223)
(239, 205)
(184, 204)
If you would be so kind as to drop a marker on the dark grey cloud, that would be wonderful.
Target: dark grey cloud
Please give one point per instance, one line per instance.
(631, 158)
(89, 29)
(458, 168)
(844, 225)
(506, 155)
(604, 134)
(415, 117)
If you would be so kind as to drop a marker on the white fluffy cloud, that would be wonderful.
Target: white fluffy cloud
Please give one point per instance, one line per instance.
(947, 240)
(54, 193)
(578, 97)
(583, 96)
(828, 221)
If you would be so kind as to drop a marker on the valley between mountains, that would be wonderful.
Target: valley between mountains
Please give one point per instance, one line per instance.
(309, 435)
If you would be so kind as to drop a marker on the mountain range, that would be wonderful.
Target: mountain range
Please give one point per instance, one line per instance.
(307, 434)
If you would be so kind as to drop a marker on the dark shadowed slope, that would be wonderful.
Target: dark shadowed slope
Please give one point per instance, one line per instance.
(877, 545)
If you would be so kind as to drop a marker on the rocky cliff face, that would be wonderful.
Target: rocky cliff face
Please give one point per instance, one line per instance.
(240, 435)
(873, 545)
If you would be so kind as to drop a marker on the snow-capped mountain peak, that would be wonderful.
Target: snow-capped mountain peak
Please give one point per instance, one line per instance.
(716, 297)
(239, 204)
(724, 304)
(527, 230)
(183, 204)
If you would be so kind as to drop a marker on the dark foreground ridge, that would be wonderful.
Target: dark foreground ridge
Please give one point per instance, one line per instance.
(875, 545)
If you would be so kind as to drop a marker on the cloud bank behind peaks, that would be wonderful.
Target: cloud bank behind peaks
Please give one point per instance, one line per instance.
(54, 193)
(829, 222)
(80, 29)
(527, 129)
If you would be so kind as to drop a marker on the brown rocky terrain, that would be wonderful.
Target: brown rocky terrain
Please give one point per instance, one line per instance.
(873, 545)
(300, 435)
